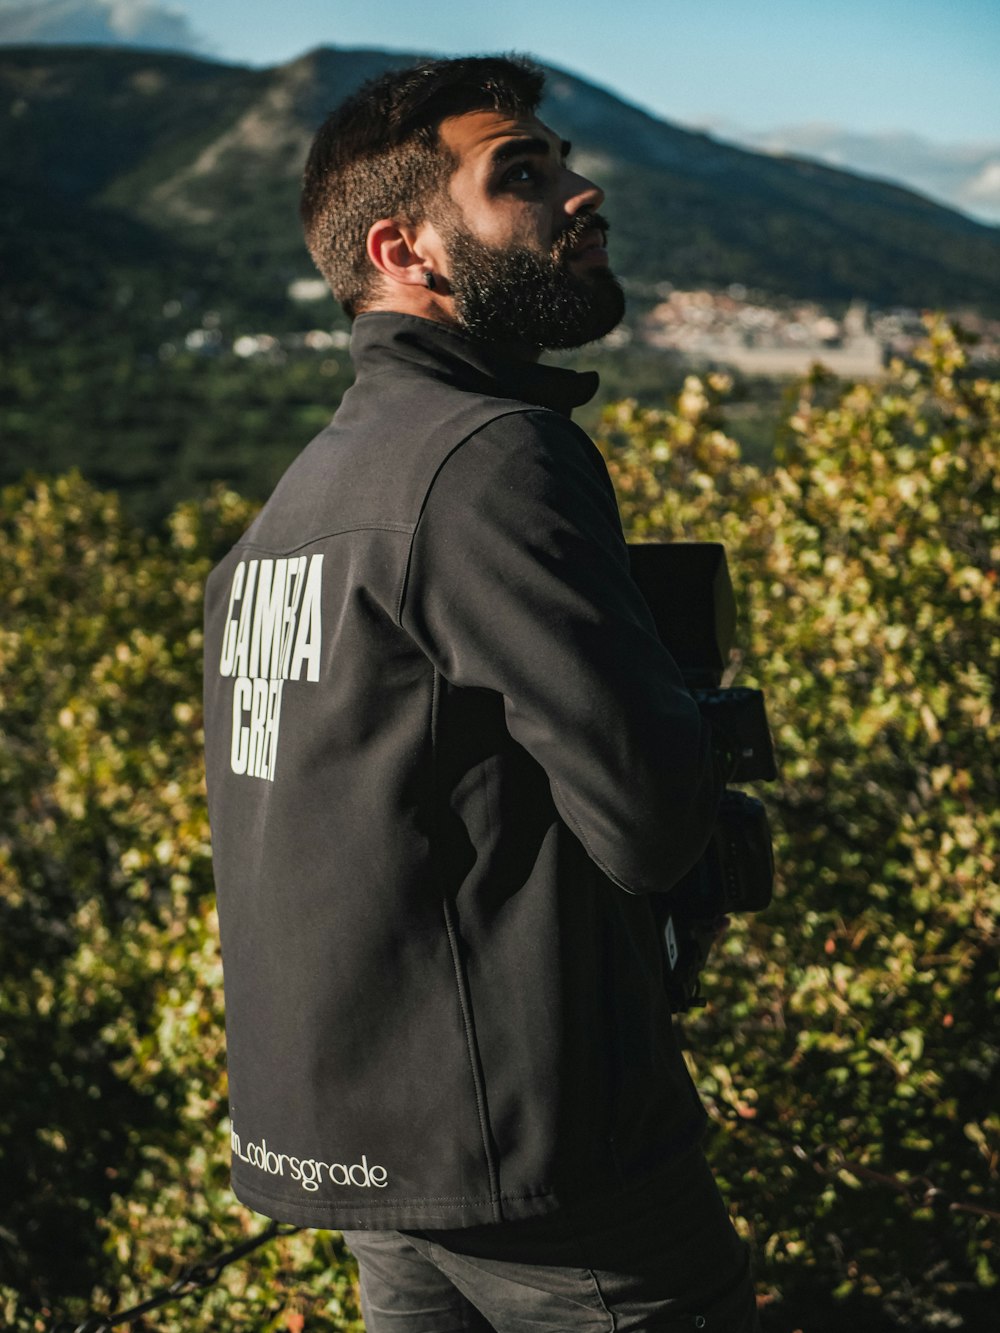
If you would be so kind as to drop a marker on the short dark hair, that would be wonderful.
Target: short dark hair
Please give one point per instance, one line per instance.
(379, 155)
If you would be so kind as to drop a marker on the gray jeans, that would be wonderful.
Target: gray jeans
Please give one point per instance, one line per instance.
(665, 1257)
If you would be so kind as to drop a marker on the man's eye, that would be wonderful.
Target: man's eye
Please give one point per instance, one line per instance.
(524, 173)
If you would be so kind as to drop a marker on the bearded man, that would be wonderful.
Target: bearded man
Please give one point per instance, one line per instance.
(449, 761)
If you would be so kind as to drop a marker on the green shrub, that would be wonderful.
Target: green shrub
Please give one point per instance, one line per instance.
(857, 1018)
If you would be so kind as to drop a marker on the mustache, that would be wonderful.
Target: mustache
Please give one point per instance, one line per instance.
(574, 232)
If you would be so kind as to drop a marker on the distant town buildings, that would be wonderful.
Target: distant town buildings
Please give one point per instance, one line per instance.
(760, 337)
(753, 334)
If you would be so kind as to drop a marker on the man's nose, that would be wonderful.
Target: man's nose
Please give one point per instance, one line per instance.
(583, 195)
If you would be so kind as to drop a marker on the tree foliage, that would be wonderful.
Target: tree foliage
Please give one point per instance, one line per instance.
(112, 1082)
(851, 1026)
(857, 1018)
(161, 426)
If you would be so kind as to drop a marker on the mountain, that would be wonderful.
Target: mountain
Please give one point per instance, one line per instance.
(965, 176)
(960, 175)
(99, 22)
(178, 175)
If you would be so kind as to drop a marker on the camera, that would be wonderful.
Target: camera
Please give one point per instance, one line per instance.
(688, 590)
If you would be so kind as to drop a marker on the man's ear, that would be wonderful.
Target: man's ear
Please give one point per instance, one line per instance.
(395, 250)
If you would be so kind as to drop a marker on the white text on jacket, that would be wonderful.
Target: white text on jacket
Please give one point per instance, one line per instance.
(309, 1172)
(273, 631)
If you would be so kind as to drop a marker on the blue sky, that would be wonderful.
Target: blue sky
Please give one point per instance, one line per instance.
(919, 65)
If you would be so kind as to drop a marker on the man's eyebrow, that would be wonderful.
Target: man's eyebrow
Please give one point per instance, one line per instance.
(533, 145)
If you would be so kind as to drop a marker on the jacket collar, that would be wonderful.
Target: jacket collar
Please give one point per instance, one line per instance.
(383, 340)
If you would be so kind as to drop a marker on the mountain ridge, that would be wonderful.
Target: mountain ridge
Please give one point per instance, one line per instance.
(207, 155)
(963, 175)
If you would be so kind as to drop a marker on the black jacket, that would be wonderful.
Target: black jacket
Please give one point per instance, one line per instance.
(447, 758)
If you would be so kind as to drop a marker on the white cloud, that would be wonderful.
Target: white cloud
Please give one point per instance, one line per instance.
(986, 185)
(98, 22)
(962, 176)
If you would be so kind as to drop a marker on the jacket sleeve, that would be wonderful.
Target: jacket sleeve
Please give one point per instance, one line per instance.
(519, 583)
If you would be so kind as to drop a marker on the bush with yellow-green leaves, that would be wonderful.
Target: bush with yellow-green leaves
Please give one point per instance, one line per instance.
(849, 1053)
(113, 1167)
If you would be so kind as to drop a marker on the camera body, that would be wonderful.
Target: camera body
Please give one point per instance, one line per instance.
(688, 590)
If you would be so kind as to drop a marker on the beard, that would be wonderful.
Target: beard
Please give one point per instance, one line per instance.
(513, 294)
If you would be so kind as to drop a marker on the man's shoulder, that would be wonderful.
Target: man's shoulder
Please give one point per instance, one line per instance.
(374, 468)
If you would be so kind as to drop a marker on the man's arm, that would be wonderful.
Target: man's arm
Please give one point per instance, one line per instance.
(519, 583)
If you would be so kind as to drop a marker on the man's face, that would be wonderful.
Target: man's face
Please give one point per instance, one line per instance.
(526, 253)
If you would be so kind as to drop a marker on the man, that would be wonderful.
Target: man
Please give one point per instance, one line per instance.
(449, 761)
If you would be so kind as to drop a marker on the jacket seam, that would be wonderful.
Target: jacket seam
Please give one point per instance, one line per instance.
(522, 409)
(461, 986)
(407, 528)
(475, 1065)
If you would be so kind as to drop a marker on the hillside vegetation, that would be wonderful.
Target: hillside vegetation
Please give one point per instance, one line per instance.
(848, 1054)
